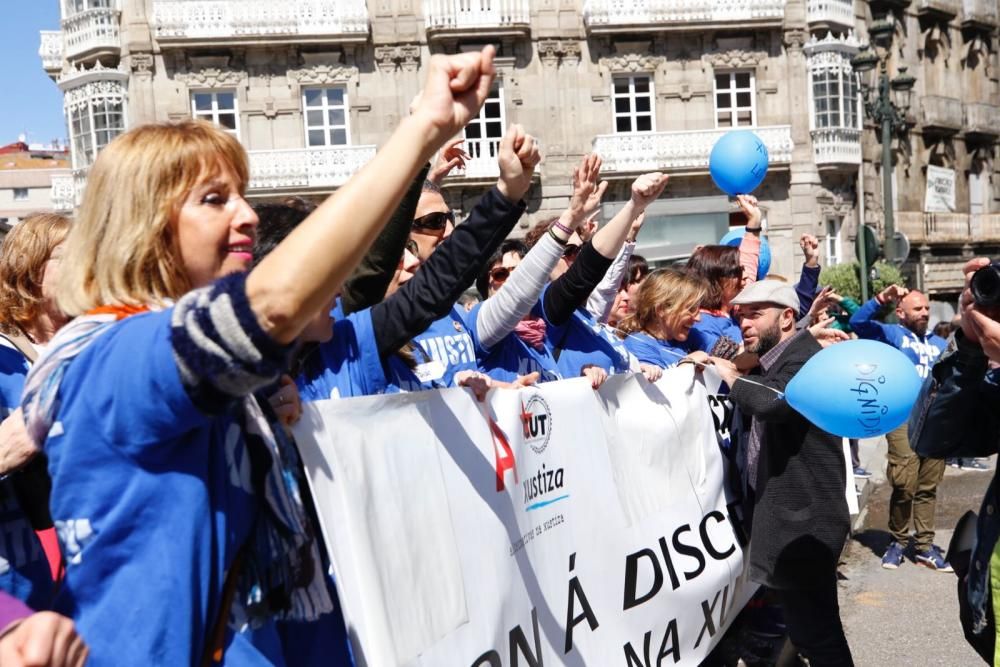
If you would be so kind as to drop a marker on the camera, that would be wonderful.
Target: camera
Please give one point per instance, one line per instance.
(985, 285)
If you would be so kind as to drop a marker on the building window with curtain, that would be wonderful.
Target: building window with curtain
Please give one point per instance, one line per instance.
(632, 103)
(833, 227)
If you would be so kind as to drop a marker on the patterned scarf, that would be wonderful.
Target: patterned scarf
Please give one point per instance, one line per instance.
(281, 575)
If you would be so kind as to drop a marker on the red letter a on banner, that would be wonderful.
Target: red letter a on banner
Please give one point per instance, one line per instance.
(505, 458)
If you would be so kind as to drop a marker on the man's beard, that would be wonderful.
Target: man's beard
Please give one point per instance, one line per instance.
(919, 327)
(766, 341)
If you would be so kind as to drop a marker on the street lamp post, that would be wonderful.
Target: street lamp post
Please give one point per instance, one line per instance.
(885, 103)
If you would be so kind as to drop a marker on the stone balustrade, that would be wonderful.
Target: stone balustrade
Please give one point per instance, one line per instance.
(92, 30)
(839, 12)
(607, 15)
(447, 15)
(836, 145)
(306, 167)
(247, 20)
(50, 50)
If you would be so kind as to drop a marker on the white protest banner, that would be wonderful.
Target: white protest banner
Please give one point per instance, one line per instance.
(578, 528)
(940, 197)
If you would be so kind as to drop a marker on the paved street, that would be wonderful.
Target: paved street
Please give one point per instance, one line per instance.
(908, 616)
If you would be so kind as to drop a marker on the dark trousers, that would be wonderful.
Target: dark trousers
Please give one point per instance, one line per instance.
(813, 620)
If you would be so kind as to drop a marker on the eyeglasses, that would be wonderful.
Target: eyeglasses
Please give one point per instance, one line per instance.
(435, 221)
(500, 274)
(571, 251)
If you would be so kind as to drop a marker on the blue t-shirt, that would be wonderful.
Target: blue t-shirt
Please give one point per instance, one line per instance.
(649, 350)
(923, 351)
(442, 350)
(346, 365)
(583, 341)
(24, 569)
(709, 328)
(512, 357)
(152, 499)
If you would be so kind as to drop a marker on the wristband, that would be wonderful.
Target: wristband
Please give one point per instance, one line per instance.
(754, 229)
(562, 228)
(557, 239)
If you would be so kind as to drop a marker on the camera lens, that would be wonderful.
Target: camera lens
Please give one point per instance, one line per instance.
(985, 285)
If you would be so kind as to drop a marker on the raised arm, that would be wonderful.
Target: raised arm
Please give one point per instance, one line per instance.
(863, 321)
(750, 244)
(499, 314)
(809, 278)
(368, 283)
(300, 276)
(601, 300)
(432, 291)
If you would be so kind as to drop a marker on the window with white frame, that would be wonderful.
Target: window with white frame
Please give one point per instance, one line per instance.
(326, 115)
(632, 103)
(833, 227)
(20, 194)
(218, 107)
(77, 6)
(735, 99)
(834, 91)
(96, 116)
(484, 132)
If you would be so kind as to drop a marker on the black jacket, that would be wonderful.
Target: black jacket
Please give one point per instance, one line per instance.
(800, 517)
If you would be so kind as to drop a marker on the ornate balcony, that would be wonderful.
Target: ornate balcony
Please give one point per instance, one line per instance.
(934, 227)
(836, 146)
(306, 168)
(982, 119)
(680, 151)
(831, 12)
(457, 18)
(940, 115)
(92, 32)
(482, 164)
(51, 51)
(604, 16)
(214, 22)
(982, 13)
(945, 8)
(63, 193)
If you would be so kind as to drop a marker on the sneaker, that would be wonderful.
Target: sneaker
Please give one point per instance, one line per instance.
(973, 464)
(861, 472)
(893, 557)
(934, 559)
(954, 463)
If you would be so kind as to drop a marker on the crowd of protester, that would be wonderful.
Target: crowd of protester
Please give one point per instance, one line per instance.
(156, 351)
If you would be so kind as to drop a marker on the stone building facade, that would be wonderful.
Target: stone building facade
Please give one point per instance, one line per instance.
(311, 87)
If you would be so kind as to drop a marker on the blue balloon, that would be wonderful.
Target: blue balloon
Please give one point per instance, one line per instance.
(733, 238)
(855, 389)
(738, 162)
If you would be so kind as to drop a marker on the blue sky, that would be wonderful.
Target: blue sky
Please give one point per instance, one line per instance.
(33, 104)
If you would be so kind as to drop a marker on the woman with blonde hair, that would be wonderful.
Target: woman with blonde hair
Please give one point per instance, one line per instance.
(667, 305)
(177, 497)
(29, 267)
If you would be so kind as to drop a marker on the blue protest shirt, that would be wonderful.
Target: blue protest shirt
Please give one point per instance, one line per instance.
(583, 341)
(442, 350)
(511, 357)
(709, 328)
(24, 570)
(152, 499)
(923, 351)
(346, 365)
(650, 350)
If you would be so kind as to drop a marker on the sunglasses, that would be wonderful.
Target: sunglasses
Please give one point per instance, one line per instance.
(500, 274)
(571, 251)
(435, 221)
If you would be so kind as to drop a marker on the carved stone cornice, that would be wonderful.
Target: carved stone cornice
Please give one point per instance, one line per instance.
(324, 74)
(213, 77)
(632, 62)
(552, 52)
(142, 64)
(836, 201)
(405, 57)
(795, 39)
(734, 58)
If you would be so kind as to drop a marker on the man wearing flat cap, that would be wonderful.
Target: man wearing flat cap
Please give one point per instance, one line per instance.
(795, 476)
